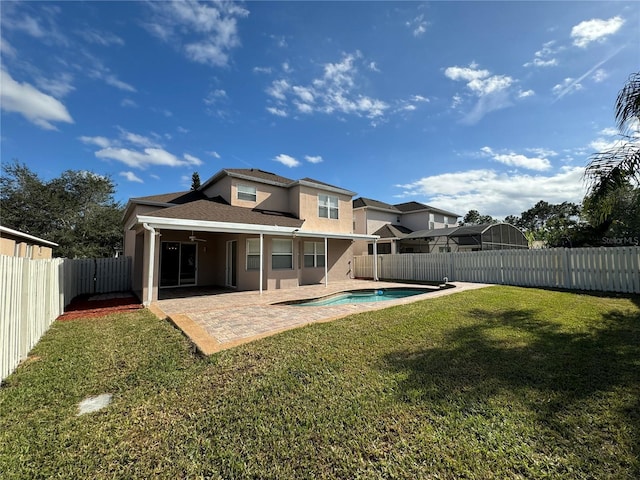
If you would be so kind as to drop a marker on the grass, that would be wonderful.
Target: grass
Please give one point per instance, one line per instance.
(501, 382)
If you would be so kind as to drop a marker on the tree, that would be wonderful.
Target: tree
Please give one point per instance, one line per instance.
(473, 217)
(615, 167)
(555, 224)
(195, 181)
(75, 210)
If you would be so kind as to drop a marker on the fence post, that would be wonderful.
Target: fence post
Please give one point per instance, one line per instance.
(567, 269)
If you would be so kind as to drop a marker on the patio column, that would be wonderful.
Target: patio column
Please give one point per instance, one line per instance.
(151, 263)
(326, 258)
(261, 260)
(375, 260)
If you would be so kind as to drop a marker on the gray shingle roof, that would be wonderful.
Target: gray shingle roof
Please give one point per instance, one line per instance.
(393, 231)
(207, 210)
(176, 197)
(369, 202)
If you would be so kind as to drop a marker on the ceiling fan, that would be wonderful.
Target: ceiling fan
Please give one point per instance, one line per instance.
(193, 238)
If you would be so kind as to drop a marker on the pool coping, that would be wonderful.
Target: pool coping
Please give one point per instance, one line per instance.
(217, 322)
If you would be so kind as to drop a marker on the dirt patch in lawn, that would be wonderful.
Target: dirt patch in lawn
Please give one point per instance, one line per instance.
(90, 306)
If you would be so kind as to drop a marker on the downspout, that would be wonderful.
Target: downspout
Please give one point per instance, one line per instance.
(152, 262)
(375, 260)
(261, 260)
(326, 258)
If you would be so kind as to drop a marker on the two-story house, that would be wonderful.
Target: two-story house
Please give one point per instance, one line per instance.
(243, 228)
(393, 222)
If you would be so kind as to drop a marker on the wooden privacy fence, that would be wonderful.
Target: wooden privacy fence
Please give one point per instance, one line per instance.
(96, 275)
(603, 269)
(35, 292)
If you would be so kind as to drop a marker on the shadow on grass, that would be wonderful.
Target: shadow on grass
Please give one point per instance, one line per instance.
(552, 370)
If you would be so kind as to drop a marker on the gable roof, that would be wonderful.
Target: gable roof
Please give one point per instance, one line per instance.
(406, 207)
(409, 207)
(392, 231)
(262, 176)
(213, 211)
(375, 204)
(177, 198)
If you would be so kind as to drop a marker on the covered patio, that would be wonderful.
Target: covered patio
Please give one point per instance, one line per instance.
(216, 320)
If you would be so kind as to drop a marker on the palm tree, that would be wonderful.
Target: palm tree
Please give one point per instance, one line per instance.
(619, 166)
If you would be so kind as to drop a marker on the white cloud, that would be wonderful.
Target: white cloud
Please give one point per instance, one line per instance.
(417, 25)
(214, 154)
(492, 91)
(6, 48)
(101, 142)
(568, 85)
(136, 139)
(497, 194)
(287, 160)
(609, 131)
(138, 151)
(103, 73)
(305, 94)
(37, 107)
(518, 160)
(44, 27)
(215, 96)
(262, 70)
(58, 87)
(100, 37)
(595, 30)
(600, 75)
(278, 89)
(277, 112)
(545, 57)
(130, 176)
(526, 93)
(313, 159)
(605, 145)
(127, 102)
(146, 158)
(373, 67)
(333, 92)
(206, 32)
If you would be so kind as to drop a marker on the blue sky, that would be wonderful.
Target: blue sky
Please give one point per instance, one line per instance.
(490, 106)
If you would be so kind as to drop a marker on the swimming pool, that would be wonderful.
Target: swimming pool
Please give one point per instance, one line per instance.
(362, 296)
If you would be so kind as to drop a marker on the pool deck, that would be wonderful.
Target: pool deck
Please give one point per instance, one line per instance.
(217, 320)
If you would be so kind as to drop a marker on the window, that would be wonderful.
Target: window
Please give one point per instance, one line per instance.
(247, 192)
(444, 249)
(314, 254)
(281, 254)
(381, 248)
(328, 206)
(253, 254)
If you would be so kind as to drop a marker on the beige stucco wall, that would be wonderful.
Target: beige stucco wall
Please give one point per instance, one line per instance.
(221, 187)
(24, 249)
(377, 219)
(308, 210)
(7, 246)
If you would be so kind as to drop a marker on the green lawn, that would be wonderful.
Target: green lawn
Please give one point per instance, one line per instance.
(500, 382)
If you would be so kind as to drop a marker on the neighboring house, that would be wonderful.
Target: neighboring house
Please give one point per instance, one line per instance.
(393, 222)
(243, 228)
(468, 238)
(18, 244)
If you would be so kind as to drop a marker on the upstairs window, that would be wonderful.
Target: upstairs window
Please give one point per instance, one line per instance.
(314, 254)
(328, 206)
(247, 192)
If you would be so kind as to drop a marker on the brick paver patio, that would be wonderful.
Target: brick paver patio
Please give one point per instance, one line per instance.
(223, 320)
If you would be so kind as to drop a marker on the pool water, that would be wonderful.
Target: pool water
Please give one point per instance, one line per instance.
(364, 296)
